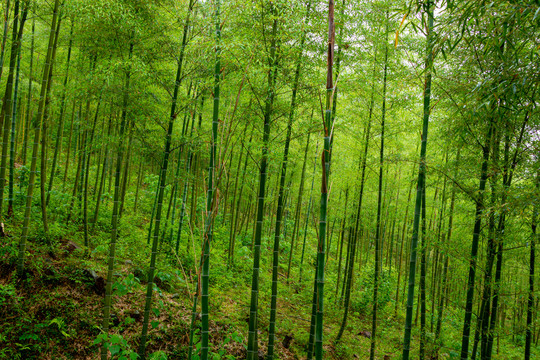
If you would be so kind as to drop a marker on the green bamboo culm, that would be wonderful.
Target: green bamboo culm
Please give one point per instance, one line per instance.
(252, 350)
(236, 211)
(378, 230)
(35, 146)
(420, 184)
(160, 195)
(181, 60)
(529, 333)
(313, 322)
(4, 37)
(59, 133)
(155, 238)
(444, 282)
(189, 162)
(12, 137)
(44, 129)
(115, 214)
(104, 170)
(192, 329)
(422, 284)
(281, 197)
(296, 227)
(9, 98)
(177, 175)
(29, 96)
(166, 234)
(151, 225)
(308, 213)
(351, 249)
(324, 185)
(210, 204)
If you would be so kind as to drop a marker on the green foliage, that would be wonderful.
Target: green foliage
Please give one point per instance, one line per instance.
(487, 71)
(61, 326)
(8, 252)
(7, 294)
(221, 353)
(22, 173)
(361, 303)
(158, 355)
(126, 285)
(117, 345)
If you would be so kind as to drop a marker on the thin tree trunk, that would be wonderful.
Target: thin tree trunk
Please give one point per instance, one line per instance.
(116, 211)
(35, 147)
(77, 176)
(530, 299)
(13, 135)
(422, 302)
(125, 177)
(211, 205)
(59, 134)
(378, 230)
(403, 242)
(474, 247)
(482, 326)
(351, 249)
(8, 99)
(341, 239)
(235, 207)
(252, 350)
(281, 201)
(177, 175)
(29, 97)
(298, 207)
(190, 159)
(444, 285)
(162, 182)
(103, 174)
(69, 145)
(308, 213)
(44, 137)
(420, 185)
(139, 181)
(4, 37)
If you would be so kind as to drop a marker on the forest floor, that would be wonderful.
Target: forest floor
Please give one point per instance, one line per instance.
(55, 310)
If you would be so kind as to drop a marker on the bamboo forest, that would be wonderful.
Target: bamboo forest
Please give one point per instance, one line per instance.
(276, 179)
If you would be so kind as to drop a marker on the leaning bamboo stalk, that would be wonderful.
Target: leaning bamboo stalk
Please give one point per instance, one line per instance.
(116, 211)
(7, 101)
(252, 351)
(420, 187)
(378, 230)
(35, 147)
(60, 131)
(13, 134)
(281, 200)
(29, 97)
(162, 182)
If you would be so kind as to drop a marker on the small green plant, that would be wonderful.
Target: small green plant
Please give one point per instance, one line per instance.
(158, 355)
(7, 292)
(125, 285)
(21, 173)
(100, 251)
(61, 325)
(117, 345)
(221, 353)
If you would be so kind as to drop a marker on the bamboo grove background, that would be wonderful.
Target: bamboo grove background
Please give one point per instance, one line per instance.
(279, 179)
